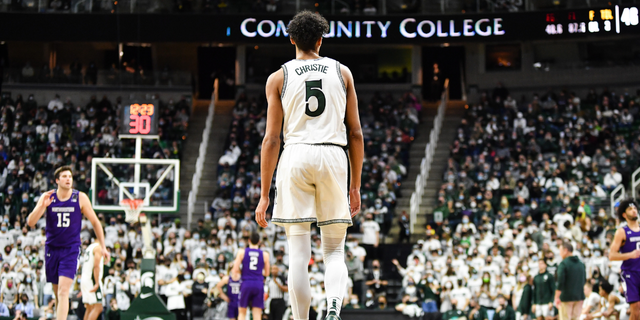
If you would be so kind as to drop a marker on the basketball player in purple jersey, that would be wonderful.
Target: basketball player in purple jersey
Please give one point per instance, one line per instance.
(255, 267)
(232, 282)
(64, 207)
(626, 247)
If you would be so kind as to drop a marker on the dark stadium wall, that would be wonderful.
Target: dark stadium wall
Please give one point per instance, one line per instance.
(567, 69)
(20, 52)
(451, 61)
(216, 62)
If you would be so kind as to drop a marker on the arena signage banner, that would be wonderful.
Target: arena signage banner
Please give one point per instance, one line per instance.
(409, 28)
(257, 29)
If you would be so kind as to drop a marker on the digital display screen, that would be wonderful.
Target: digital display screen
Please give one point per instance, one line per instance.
(140, 119)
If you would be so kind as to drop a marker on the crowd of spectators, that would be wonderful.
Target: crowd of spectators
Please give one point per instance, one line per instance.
(523, 177)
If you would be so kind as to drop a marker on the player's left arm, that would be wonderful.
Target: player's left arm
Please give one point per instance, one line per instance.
(87, 210)
(267, 264)
(97, 255)
(237, 262)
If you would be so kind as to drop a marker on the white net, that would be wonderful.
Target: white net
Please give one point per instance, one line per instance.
(132, 209)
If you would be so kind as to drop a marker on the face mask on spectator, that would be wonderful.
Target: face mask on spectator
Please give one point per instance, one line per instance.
(369, 295)
(596, 254)
(473, 204)
(534, 206)
(313, 282)
(448, 285)
(207, 217)
(354, 301)
(314, 269)
(196, 236)
(465, 220)
(4, 229)
(430, 279)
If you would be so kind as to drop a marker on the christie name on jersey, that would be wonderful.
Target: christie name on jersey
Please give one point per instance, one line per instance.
(312, 67)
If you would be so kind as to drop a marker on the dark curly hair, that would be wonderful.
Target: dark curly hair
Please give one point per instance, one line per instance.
(623, 207)
(306, 28)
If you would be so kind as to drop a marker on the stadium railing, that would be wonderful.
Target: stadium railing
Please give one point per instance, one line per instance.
(425, 164)
(634, 183)
(197, 176)
(618, 194)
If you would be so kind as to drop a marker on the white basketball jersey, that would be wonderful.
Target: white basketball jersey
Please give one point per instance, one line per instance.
(314, 102)
(87, 265)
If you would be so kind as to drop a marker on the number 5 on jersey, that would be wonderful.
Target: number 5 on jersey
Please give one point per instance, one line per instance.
(314, 89)
(63, 220)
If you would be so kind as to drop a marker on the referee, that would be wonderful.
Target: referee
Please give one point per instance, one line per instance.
(277, 306)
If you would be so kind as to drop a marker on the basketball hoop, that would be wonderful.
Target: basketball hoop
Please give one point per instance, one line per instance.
(132, 208)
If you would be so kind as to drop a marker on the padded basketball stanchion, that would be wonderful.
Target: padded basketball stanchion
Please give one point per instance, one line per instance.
(147, 305)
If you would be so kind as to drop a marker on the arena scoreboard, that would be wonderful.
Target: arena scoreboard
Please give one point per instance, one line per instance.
(140, 119)
(614, 20)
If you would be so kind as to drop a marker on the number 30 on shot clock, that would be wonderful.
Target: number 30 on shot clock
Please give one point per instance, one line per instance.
(140, 119)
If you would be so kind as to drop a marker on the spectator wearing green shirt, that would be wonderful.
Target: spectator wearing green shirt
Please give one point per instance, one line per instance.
(454, 313)
(476, 311)
(523, 307)
(504, 311)
(571, 278)
(543, 290)
(441, 212)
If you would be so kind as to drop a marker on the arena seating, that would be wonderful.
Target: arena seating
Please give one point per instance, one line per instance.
(522, 177)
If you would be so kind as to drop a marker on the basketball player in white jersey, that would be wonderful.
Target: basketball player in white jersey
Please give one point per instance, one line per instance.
(91, 281)
(313, 100)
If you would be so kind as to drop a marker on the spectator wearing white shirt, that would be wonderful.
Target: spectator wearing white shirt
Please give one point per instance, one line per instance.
(462, 295)
(357, 250)
(175, 297)
(431, 243)
(227, 219)
(559, 219)
(55, 104)
(466, 225)
(370, 237)
(612, 179)
(519, 123)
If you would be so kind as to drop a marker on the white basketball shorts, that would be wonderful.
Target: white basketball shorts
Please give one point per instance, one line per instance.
(311, 185)
(90, 297)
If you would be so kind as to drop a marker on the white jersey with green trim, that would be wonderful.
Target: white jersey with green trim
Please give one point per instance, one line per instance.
(314, 102)
(88, 264)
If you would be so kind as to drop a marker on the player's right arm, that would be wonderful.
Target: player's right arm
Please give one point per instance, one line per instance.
(614, 251)
(97, 255)
(237, 262)
(356, 141)
(220, 285)
(41, 207)
(270, 143)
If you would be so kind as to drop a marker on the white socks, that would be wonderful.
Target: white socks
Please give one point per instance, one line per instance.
(336, 273)
(335, 278)
(299, 287)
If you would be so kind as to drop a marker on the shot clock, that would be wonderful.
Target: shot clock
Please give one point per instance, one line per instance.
(140, 119)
